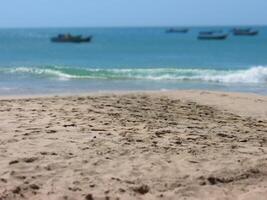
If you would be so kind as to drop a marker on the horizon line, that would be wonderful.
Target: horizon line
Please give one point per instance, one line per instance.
(137, 26)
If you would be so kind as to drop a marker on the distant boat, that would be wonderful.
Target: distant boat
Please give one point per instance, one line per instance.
(63, 38)
(177, 30)
(212, 36)
(210, 32)
(245, 32)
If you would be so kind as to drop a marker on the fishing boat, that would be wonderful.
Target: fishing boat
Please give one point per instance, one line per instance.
(212, 36)
(245, 32)
(177, 30)
(210, 32)
(63, 38)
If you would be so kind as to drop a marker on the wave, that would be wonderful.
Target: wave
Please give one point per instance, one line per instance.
(252, 75)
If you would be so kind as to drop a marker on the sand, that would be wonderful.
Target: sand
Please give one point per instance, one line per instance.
(154, 145)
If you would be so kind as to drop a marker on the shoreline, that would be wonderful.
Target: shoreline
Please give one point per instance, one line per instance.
(205, 97)
(134, 145)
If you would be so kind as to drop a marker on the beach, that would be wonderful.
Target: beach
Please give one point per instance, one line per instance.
(134, 145)
(133, 107)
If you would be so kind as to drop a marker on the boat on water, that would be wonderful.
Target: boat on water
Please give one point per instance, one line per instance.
(212, 36)
(71, 38)
(245, 32)
(210, 32)
(177, 30)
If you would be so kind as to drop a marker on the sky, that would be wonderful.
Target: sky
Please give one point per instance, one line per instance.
(113, 13)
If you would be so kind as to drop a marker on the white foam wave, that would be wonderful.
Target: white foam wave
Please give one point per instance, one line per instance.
(42, 71)
(253, 75)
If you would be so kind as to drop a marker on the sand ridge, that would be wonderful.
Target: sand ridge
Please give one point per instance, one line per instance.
(129, 146)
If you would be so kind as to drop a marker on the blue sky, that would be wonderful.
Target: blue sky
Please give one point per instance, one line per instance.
(65, 13)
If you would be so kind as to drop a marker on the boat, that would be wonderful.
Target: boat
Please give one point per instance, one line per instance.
(177, 30)
(210, 32)
(212, 36)
(245, 32)
(63, 38)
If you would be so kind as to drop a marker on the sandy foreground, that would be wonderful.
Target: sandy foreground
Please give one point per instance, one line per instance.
(154, 145)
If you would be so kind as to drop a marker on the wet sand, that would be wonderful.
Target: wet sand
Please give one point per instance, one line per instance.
(154, 145)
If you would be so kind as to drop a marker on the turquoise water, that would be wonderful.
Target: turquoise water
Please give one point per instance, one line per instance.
(130, 59)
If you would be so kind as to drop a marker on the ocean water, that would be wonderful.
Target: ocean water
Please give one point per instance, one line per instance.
(130, 59)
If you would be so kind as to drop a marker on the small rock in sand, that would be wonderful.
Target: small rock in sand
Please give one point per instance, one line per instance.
(89, 197)
(143, 189)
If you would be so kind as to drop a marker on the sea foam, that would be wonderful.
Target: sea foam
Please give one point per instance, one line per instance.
(256, 74)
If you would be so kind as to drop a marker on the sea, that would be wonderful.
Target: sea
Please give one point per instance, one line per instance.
(130, 59)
